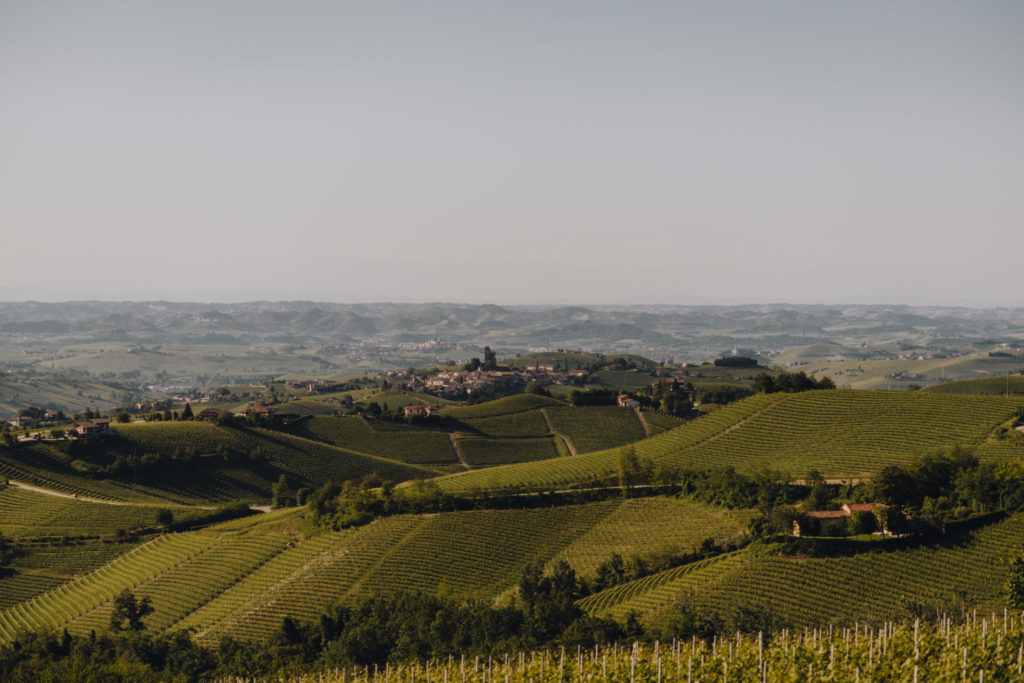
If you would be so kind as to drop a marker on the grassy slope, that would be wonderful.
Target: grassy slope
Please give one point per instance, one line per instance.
(836, 432)
(870, 586)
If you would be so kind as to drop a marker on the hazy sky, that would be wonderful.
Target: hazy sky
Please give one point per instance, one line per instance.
(514, 151)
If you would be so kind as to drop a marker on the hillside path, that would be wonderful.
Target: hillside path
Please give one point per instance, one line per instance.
(51, 492)
(560, 435)
(643, 421)
(369, 427)
(458, 451)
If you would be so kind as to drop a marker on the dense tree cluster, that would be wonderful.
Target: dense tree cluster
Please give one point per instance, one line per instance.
(593, 397)
(736, 362)
(790, 382)
(942, 488)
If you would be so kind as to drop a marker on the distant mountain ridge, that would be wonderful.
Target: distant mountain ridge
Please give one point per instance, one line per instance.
(653, 330)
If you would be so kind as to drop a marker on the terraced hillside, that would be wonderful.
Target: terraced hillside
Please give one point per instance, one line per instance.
(870, 586)
(840, 433)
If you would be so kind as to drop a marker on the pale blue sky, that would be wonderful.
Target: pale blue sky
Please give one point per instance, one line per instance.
(513, 152)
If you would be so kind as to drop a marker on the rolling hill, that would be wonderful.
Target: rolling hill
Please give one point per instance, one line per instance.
(244, 576)
(840, 433)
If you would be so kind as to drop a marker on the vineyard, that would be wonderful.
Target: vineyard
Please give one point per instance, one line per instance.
(242, 577)
(587, 467)
(660, 422)
(873, 585)
(487, 452)
(501, 406)
(593, 428)
(27, 513)
(412, 445)
(39, 465)
(997, 386)
(76, 598)
(850, 432)
(485, 554)
(983, 647)
(640, 525)
(182, 589)
(837, 432)
(304, 461)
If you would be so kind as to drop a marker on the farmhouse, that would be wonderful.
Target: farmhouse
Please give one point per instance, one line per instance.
(418, 411)
(208, 414)
(832, 522)
(260, 409)
(92, 428)
(627, 401)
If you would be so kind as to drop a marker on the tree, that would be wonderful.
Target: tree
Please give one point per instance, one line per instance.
(129, 612)
(860, 523)
(186, 414)
(535, 387)
(164, 517)
(6, 551)
(630, 469)
(281, 494)
(1015, 584)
